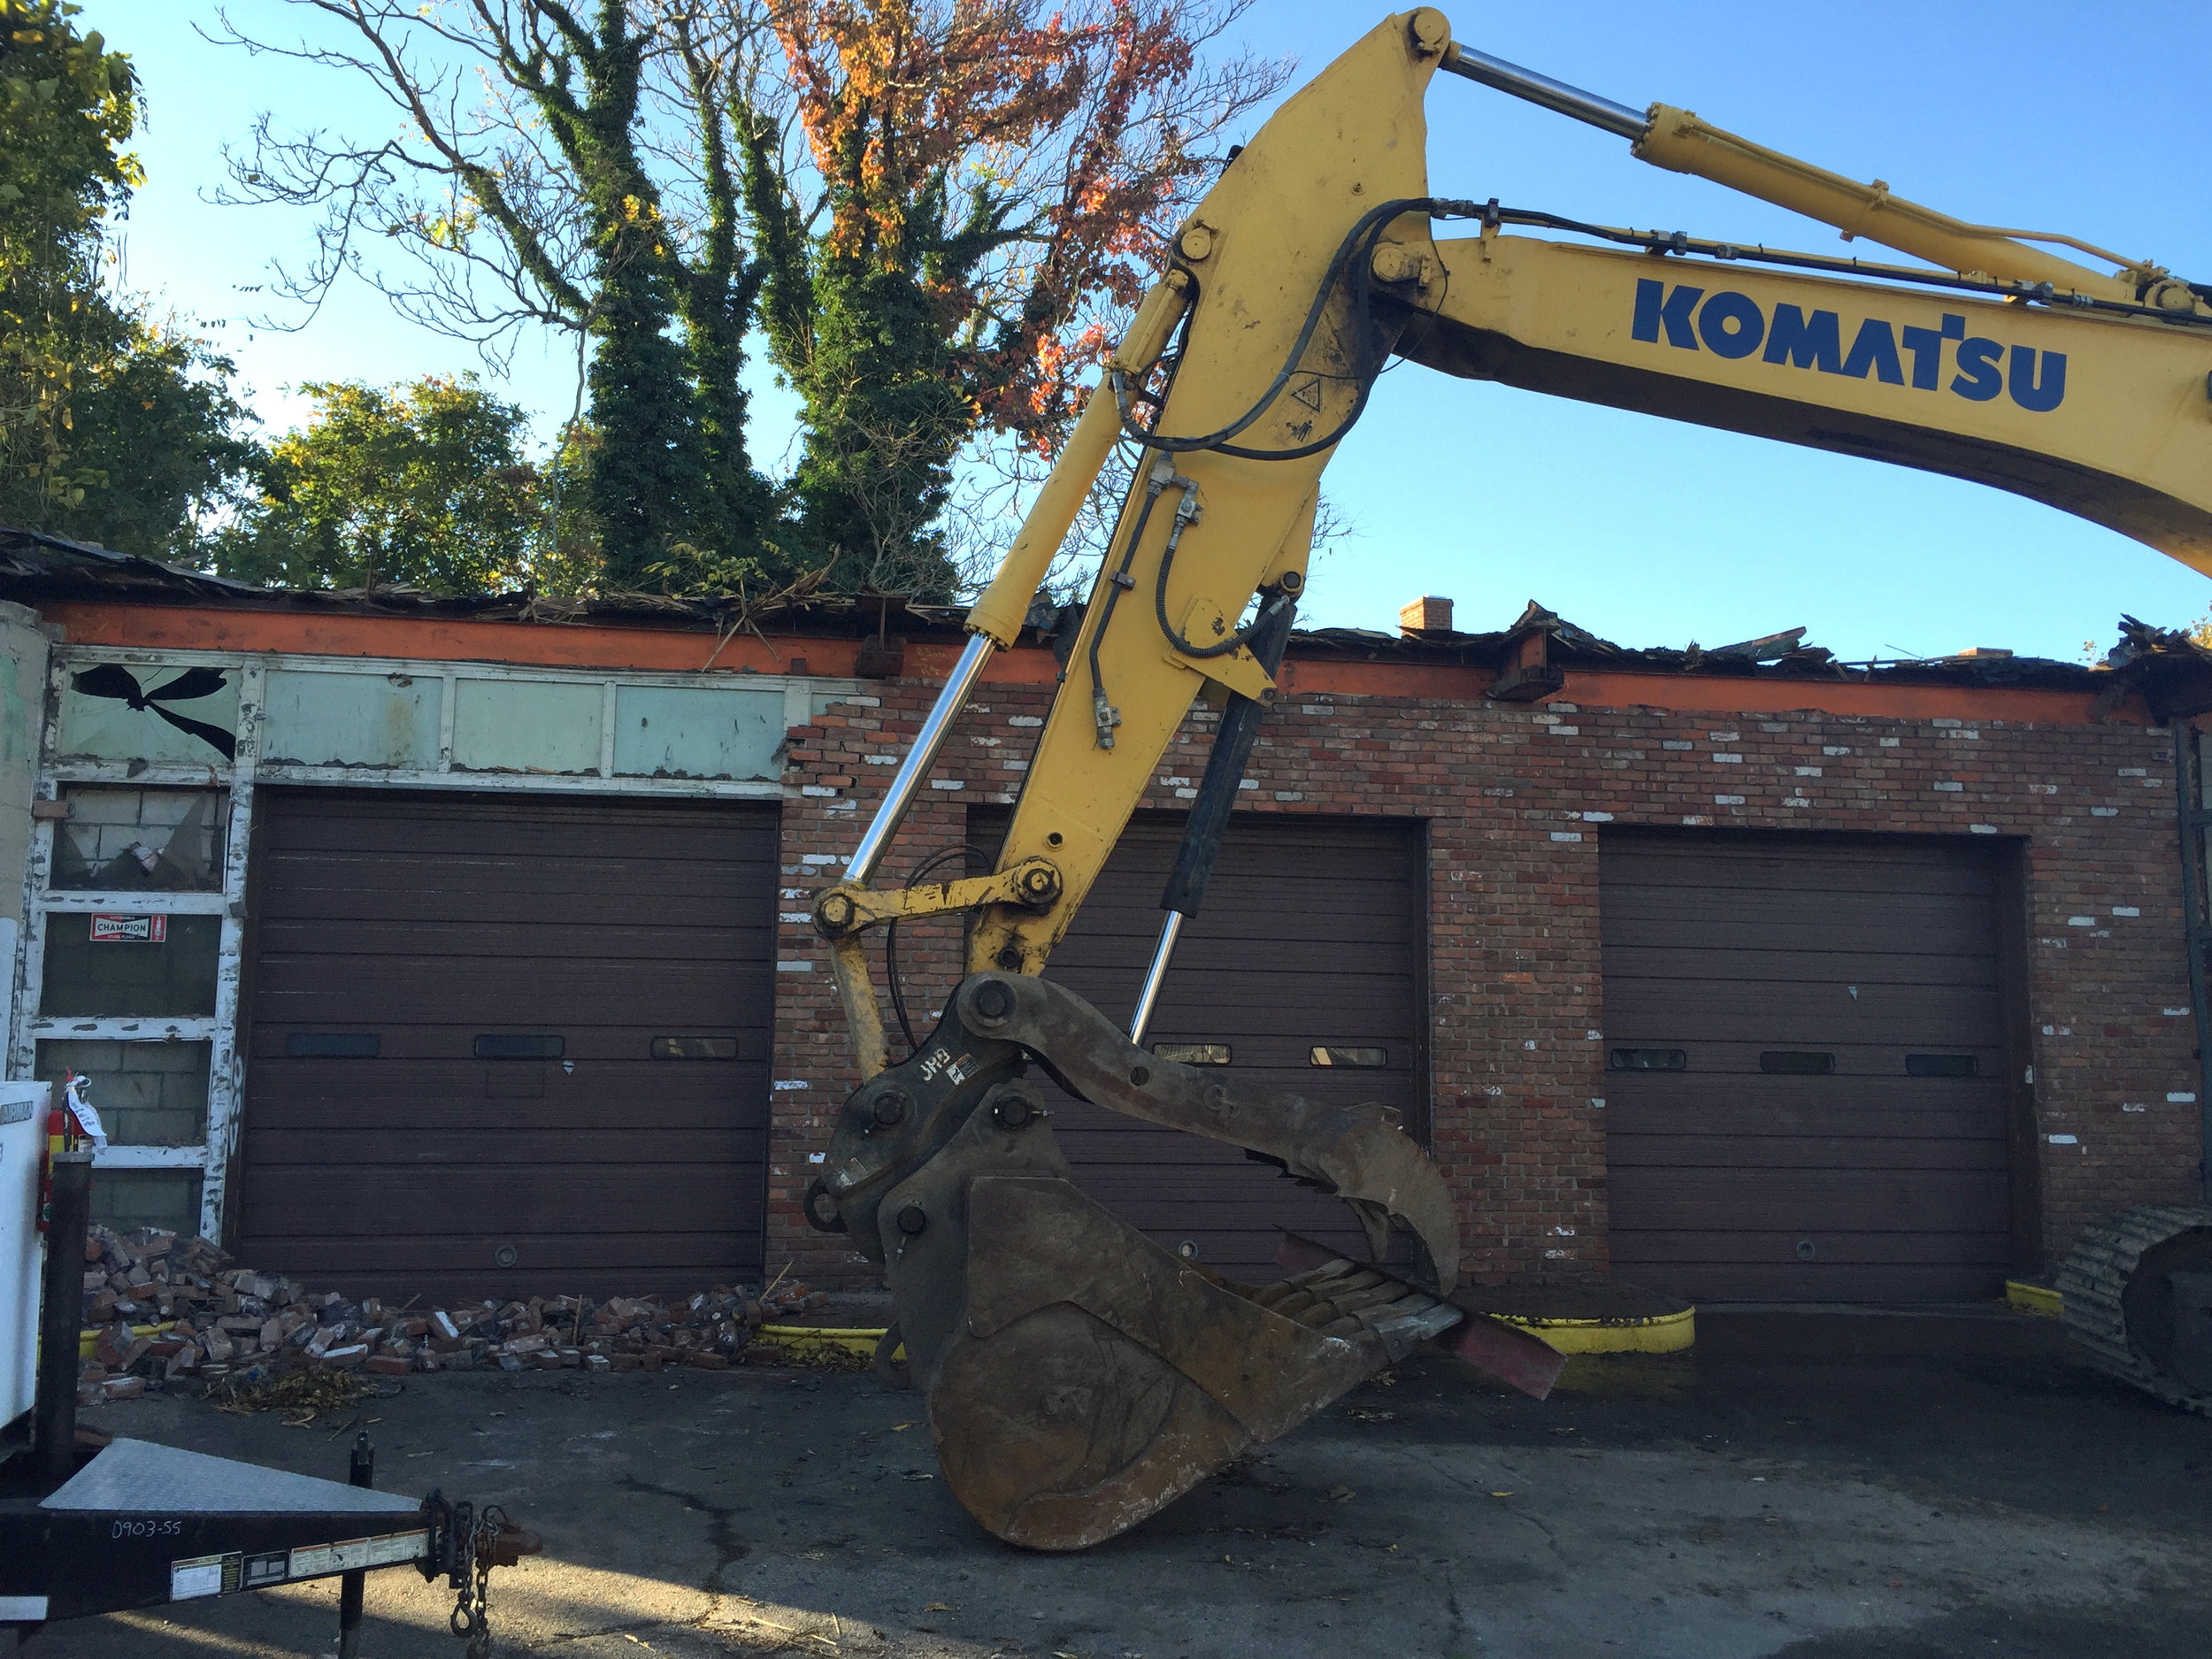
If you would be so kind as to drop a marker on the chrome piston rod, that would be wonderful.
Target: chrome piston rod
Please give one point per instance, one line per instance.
(1553, 95)
(919, 759)
(1155, 977)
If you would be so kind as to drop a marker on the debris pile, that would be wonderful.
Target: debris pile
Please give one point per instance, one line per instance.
(163, 1309)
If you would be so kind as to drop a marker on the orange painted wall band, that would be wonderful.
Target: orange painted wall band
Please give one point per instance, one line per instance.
(1609, 689)
(671, 650)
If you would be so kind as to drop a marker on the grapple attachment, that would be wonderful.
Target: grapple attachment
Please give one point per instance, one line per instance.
(1079, 1376)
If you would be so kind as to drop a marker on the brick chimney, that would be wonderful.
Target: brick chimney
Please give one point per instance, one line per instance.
(1425, 615)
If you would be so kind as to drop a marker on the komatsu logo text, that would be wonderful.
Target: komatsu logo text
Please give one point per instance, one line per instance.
(1731, 325)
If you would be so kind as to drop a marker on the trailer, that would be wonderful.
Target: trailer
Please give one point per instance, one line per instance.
(90, 1524)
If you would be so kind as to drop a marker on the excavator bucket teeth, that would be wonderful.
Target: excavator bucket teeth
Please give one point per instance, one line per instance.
(1516, 1357)
(1095, 1377)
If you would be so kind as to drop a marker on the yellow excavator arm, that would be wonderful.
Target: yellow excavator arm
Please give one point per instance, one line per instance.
(1079, 1376)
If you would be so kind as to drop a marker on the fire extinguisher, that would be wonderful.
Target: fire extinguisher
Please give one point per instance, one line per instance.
(69, 1125)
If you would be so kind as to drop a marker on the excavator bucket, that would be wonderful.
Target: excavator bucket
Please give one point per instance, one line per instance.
(1079, 1376)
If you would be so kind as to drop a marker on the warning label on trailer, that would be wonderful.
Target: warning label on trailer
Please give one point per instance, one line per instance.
(203, 1575)
(226, 1575)
(356, 1552)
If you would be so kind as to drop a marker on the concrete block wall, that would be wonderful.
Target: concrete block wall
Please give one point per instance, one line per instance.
(147, 1094)
(1518, 799)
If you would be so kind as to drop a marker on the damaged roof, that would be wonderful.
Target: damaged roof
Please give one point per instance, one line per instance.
(36, 566)
(1542, 640)
(2167, 666)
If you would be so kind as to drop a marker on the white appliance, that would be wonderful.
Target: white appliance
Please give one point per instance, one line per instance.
(22, 1138)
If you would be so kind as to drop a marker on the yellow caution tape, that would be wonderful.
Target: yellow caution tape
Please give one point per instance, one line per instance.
(87, 1341)
(2038, 1299)
(796, 1337)
(1657, 1333)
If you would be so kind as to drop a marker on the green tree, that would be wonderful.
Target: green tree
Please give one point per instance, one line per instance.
(159, 451)
(114, 427)
(422, 484)
(566, 165)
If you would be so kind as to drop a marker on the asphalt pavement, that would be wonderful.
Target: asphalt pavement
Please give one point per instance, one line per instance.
(1778, 1492)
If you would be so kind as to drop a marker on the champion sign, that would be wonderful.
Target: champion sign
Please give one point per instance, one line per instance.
(1731, 325)
(127, 930)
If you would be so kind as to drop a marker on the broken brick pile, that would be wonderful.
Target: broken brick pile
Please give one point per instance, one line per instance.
(231, 1323)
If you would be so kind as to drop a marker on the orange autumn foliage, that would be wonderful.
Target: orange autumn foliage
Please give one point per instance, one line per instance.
(1068, 133)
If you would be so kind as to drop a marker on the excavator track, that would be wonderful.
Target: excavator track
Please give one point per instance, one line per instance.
(2122, 1284)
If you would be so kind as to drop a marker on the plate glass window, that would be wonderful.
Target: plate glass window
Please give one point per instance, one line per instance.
(97, 967)
(147, 1094)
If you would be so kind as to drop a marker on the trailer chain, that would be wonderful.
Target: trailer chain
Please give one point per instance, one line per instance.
(473, 1604)
(460, 1547)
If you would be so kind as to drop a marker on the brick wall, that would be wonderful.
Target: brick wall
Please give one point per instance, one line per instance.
(1517, 798)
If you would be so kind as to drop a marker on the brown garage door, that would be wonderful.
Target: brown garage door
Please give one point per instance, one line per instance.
(494, 1027)
(1808, 1084)
(1311, 940)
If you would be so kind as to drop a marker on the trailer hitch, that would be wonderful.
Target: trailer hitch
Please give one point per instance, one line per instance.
(464, 1544)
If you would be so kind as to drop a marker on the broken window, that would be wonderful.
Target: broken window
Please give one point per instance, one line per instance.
(105, 966)
(139, 840)
(147, 1094)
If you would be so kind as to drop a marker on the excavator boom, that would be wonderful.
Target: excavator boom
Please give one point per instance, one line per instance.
(1079, 1375)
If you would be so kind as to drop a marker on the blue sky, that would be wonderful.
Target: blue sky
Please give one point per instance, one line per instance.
(1645, 530)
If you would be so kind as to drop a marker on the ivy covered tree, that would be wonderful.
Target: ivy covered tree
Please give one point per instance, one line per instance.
(564, 165)
(115, 427)
(981, 197)
(935, 209)
(423, 485)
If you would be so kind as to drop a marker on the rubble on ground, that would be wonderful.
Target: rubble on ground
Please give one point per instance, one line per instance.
(172, 1311)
